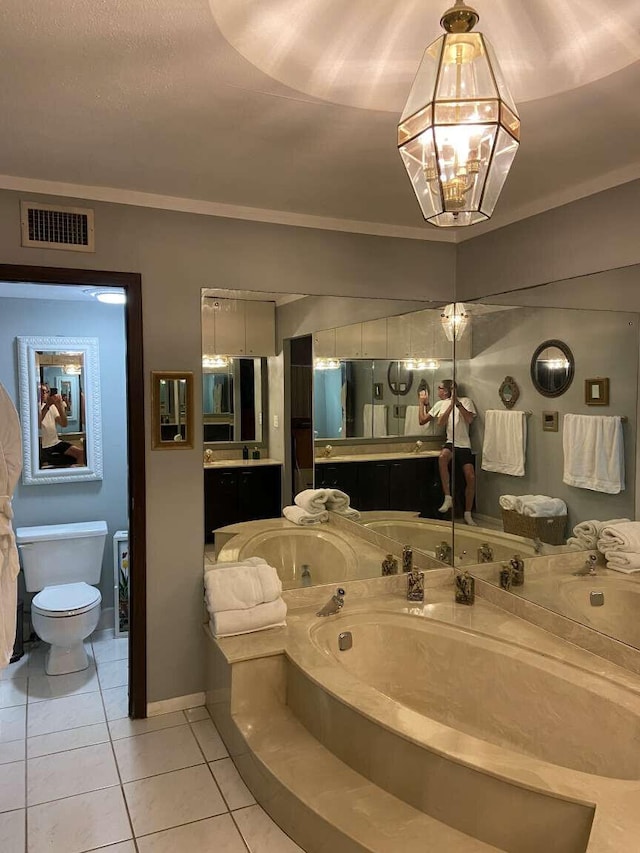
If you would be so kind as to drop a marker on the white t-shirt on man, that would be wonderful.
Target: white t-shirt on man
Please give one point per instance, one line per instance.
(456, 423)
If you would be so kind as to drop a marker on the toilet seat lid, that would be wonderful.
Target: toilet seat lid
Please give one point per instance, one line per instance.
(66, 599)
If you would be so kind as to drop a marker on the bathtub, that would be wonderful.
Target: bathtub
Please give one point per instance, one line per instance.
(330, 558)
(426, 535)
(490, 690)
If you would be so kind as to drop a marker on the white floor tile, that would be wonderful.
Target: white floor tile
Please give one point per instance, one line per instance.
(261, 834)
(230, 783)
(12, 831)
(70, 712)
(64, 774)
(19, 669)
(116, 702)
(13, 692)
(128, 728)
(45, 686)
(78, 824)
(12, 786)
(113, 673)
(12, 751)
(123, 847)
(209, 740)
(69, 739)
(13, 723)
(196, 714)
(103, 634)
(214, 835)
(111, 649)
(173, 799)
(156, 752)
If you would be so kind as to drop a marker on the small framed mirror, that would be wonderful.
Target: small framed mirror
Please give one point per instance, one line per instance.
(399, 378)
(171, 410)
(552, 368)
(60, 411)
(509, 392)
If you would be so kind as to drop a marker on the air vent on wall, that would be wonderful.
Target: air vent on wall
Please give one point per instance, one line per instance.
(52, 227)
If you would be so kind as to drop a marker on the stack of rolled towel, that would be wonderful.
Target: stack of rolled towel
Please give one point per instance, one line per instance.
(586, 535)
(312, 506)
(243, 597)
(534, 505)
(620, 544)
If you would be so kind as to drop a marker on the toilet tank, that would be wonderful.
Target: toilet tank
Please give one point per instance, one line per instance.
(61, 553)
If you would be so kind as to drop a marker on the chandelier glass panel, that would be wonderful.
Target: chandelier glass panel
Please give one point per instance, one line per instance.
(460, 129)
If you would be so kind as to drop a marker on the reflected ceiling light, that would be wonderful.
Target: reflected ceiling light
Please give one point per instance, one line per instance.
(72, 369)
(326, 363)
(422, 363)
(110, 296)
(454, 319)
(460, 129)
(216, 361)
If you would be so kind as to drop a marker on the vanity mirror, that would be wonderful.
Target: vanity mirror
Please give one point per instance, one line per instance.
(552, 368)
(60, 409)
(171, 410)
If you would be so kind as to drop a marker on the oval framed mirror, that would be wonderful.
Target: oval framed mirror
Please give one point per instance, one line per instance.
(399, 377)
(552, 368)
(509, 392)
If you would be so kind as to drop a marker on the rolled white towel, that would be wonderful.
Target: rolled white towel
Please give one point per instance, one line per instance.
(349, 512)
(508, 501)
(300, 516)
(622, 561)
(228, 623)
(337, 501)
(620, 537)
(313, 500)
(240, 587)
(587, 533)
(542, 506)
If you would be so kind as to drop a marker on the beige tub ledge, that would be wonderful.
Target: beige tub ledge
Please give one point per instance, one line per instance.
(478, 723)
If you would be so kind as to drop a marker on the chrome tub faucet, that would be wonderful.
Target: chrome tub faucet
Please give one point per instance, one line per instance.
(335, 603)
(589, 568)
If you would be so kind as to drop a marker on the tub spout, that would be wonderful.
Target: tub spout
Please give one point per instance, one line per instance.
(335, 603)
(589, 567)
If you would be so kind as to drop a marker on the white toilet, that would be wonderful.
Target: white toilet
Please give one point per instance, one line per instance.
(60, 562)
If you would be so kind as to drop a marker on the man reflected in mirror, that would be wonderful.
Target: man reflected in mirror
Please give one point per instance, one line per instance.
(53, 412)
(464, 412)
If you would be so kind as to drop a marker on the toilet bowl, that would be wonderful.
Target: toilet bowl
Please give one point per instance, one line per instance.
(65, 616)
(61, 562)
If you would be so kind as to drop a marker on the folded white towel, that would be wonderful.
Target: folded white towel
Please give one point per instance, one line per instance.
(620, 537)
(337, 500)
(240, 587)
(349, 512)
(593, 453)
(374, 417)
(300, 516)
(508, 502)
(587, 533)
(505, 442)
(228, 623)
(313, 500)
(623, 562)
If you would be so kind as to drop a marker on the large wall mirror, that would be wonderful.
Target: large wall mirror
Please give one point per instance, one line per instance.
(60, 409)
(233, 401)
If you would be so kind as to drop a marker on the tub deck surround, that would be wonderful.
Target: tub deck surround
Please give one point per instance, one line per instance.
(351, 718)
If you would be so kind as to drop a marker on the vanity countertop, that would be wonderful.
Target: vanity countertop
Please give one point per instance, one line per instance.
(375, 457)
(240, 463)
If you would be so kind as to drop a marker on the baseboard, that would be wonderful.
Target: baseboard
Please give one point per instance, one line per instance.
(178, 703)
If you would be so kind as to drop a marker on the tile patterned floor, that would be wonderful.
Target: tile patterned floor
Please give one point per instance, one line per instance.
(78, 775)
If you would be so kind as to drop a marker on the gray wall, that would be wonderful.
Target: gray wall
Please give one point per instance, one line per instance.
(177, 254)
(604, 344)
(101, 500)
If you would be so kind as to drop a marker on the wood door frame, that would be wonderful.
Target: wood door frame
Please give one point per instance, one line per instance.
(132, 285)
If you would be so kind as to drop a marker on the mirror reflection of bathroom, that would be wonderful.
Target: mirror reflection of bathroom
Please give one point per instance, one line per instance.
(72, 534)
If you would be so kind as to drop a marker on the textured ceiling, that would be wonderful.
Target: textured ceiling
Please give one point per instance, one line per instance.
(268, 105)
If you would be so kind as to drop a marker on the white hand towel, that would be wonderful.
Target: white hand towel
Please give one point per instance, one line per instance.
(240, 587)
(412, 425)
(540, 505)
(623, 562)
(505, 442)
(228, 623)
(593, 453)
(300, 516)
(313, 500)
(374, 420)
(620, 537)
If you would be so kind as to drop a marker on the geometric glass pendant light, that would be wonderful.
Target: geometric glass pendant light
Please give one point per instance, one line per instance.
(460, 129)
(455, 319)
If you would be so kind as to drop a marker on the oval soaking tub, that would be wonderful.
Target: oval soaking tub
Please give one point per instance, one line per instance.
(427, 535)
(495, 691)
(329, 558)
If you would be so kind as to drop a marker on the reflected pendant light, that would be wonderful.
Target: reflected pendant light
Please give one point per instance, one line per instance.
(454, 319)
(460, 129)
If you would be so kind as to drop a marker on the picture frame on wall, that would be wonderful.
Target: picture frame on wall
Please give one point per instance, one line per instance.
(596, 392)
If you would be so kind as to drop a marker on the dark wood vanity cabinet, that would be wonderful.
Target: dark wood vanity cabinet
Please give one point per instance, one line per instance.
(411, 485)
(240, 494)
